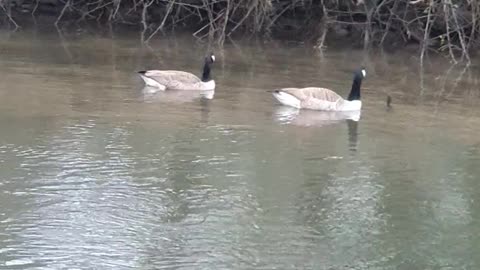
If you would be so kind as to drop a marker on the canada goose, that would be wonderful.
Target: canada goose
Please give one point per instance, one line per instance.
(180, 80)
(323, 99)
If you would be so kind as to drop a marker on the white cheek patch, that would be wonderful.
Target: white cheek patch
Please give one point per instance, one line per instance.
(213, 58)
(364, 73)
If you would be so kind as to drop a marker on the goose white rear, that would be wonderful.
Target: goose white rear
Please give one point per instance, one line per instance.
(152, 83)
(287, 99)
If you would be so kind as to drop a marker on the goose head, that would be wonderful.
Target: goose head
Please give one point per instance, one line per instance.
(358, 76)
(210, 59)
(361, 73)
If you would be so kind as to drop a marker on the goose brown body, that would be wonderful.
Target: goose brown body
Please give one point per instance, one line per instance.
(315, 98)
(180, 80)
(176, 80)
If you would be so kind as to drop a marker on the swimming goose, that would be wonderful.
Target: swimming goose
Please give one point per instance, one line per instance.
(180, 80)
(323, 99)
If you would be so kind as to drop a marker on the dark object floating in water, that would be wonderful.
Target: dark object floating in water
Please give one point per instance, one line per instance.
(389, 102)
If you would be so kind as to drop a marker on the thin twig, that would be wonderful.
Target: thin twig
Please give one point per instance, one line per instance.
(67, 5)
(160, 27)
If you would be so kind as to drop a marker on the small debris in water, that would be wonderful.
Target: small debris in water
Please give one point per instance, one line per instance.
(332, 157)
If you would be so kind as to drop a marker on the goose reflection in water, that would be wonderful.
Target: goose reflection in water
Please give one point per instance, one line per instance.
(310, 118)
(173, 96)
(352, 134)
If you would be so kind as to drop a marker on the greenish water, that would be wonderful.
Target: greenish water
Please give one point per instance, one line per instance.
(96, 173)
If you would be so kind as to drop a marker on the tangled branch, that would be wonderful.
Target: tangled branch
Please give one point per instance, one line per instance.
(444, 25)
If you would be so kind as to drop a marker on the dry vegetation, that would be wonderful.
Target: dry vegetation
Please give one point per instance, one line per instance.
(446, 25)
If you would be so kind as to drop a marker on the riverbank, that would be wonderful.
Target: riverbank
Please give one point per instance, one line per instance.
(440, 25)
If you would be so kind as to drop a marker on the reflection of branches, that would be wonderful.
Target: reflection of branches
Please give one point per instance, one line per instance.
(153, 52)
(67, 5)
(422, 78)
(426, 31)
(7, 13)
(144, 18)
(324, 25)
(458, 79)
(35, 7)
(64, 44)
(448, 81)
(169, 9)
(445, 80)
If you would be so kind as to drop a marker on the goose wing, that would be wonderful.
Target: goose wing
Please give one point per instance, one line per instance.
(315, 97)
(173, 78)
(318, 93)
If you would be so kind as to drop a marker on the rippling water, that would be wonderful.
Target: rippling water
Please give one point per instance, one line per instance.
(96, 172)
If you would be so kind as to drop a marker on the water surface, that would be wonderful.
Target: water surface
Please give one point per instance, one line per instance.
(97, 173)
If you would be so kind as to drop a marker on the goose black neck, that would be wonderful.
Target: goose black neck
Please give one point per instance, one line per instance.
(355, 92)
(206, 72)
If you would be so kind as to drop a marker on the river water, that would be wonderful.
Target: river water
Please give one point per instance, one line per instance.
(97, 173)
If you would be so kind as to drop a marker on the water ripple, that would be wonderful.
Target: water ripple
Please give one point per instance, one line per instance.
(92, 177)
